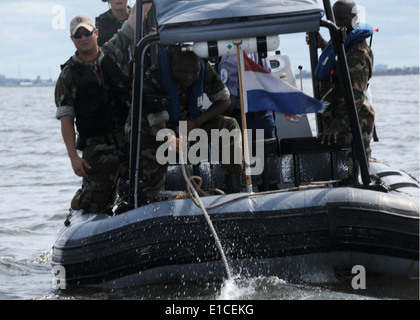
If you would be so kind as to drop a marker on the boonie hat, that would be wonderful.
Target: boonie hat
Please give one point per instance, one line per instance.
(81, 20)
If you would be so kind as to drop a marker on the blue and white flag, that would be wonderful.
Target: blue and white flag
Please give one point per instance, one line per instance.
(265, 91)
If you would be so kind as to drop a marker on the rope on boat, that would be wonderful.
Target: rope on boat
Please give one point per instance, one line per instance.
(247, 195)
(193, 188)
(194, 195)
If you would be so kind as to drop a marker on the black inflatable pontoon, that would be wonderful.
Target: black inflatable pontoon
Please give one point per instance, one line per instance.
(301, 218)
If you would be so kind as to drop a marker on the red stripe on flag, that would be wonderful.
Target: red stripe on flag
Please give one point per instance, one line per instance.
(250, 65)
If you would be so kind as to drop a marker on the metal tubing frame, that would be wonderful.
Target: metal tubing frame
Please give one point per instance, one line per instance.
(345, 80)
(328, 10)
(344, 76)
(137, 104)
(337, 39)
(313, 52)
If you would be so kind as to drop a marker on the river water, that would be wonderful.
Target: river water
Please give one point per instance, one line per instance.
(37, 183)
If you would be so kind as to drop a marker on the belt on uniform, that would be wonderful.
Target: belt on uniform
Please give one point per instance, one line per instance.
(110, 138)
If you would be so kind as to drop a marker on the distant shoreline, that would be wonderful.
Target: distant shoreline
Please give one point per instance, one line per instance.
(391, 72)
(11, 82)
(27, 85)
(386, 73)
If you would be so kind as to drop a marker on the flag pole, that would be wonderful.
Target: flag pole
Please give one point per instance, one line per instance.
(240, 57)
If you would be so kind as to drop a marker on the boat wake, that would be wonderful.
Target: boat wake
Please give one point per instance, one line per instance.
(274, 288)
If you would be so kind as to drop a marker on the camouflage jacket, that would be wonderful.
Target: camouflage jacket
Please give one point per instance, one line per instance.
(360, 64)
(213, 87)
(108, 25)
(65, 89)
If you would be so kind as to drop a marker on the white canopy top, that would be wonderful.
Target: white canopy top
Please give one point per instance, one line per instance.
(207, 20)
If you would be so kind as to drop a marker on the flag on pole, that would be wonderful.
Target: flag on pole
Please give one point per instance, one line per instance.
(265, 91)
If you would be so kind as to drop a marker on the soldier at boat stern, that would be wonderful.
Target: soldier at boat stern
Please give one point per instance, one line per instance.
(335, 119)
(93, 94)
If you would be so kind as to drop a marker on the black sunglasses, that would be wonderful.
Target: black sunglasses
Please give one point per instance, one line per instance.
(86, 33)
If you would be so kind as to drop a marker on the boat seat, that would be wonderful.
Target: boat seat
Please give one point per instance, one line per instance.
(270, 177)
(271, 147)
(213, 174)
(306, 160)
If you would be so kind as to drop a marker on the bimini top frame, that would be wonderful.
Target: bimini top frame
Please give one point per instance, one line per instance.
(180, 21)
(204, 20)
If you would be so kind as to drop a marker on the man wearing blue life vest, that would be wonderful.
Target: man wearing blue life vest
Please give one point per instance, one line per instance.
(173, 92)
(360, 64)
(228, 70)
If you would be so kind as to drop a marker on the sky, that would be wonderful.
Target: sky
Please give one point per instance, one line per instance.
(34, 35)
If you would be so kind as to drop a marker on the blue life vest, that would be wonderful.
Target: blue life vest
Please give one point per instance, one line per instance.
(327, 59)
(195, 91)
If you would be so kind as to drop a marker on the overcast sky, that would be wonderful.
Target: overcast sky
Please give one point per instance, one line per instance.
(34, 35)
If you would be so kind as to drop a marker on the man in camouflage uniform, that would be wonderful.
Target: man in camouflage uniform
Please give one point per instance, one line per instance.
(93, 92)
(360, 63)
(173, 80)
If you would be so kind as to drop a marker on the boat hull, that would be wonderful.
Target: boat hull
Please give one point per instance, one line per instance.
(285, 233)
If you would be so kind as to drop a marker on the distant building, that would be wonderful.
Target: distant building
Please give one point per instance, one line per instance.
(26, 83)
(380, 67)
(11, 82)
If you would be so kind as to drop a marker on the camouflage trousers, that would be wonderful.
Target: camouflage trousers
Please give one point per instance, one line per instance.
(106, 159)
(367, 129)
(153, 174)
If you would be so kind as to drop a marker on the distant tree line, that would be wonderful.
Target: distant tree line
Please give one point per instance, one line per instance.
(12, 82)
(376, 72)
(396, 71)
